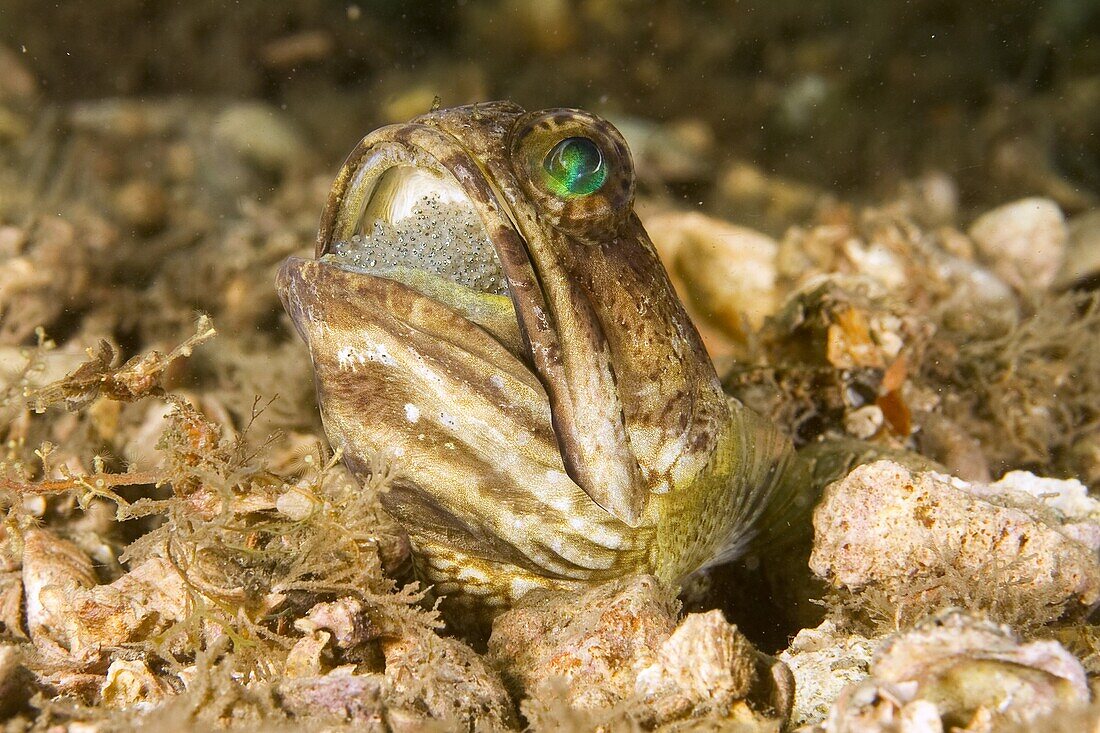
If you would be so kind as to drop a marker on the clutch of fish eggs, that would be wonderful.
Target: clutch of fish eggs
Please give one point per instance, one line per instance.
(444, 238)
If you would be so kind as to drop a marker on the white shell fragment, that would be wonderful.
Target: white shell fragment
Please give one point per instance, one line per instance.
(1024, 241)
(54, 571)
(706, 662)
(824, 661)
(130, 683)
(955, 671)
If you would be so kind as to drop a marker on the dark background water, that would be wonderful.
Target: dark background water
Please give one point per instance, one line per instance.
(847, 94)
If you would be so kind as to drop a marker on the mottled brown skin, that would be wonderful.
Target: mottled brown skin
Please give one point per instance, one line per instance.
(592, 438)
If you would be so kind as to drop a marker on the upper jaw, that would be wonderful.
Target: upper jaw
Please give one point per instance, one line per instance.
(422, 183)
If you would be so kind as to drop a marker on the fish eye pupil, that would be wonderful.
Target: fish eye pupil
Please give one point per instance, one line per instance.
(575, 167)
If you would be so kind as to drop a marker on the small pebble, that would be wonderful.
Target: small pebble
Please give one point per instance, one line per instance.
(261, 134)
(142, 205)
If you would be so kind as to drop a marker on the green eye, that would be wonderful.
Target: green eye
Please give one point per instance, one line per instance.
(574, 167)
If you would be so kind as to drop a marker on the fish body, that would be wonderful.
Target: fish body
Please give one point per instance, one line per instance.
(487, 312)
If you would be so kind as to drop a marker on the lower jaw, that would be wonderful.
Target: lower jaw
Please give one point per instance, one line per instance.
(494, 313)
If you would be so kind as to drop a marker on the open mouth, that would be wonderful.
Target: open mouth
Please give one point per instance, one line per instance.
(397, 213)
(420, 227)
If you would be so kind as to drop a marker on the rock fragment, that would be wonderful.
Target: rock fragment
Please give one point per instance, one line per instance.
(618, 647)
(824, 661)
(74, 621)
(706, 663)
(54, 572)
(306, 656)
(593, 642)
(726, 274)
(1023, 549)
(339, 696)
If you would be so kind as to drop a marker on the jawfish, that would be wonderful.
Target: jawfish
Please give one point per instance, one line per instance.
(486, 310)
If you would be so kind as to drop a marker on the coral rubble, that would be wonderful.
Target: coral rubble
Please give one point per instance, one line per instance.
(923, 540)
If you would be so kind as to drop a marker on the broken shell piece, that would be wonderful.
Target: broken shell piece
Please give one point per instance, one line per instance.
(73, 621)
(926, 540)
(130, 683)
(345, 618)
(304, 659)
(864, 422)
(54, 571)
(707, 664)
(1023, 241)
(842, 348)
(297, 502)
(824, 661)
(937, 643)
(957, 671)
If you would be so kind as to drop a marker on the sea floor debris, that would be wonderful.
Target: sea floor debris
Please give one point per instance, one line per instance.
(231, 580)
(179, 549)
